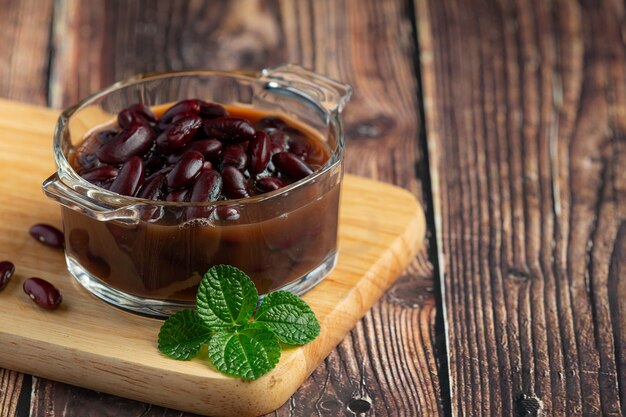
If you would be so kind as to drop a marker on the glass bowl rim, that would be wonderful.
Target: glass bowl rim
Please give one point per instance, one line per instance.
(69, 177)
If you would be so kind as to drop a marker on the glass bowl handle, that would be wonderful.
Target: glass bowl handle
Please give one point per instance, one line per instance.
(57, 190)
(330, 94)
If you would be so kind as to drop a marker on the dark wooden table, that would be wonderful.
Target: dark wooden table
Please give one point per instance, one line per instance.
(507, 118)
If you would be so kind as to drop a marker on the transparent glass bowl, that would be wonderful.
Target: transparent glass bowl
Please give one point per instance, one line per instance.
(146, 256)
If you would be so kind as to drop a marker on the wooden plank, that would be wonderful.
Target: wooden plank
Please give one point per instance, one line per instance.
(526, 106)
(25, 29)
(24, 53)
(10, 385)
(388, 363)
(87, 342)
(390, 355)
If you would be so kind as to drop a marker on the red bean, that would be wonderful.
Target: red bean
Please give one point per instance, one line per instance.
(209, 148)
(48, 235)
(207, 187)
(306, 150)
(106, 135)
(290, 165)
(87, 160)
(178, 134)
(259, 152)
(191, 106)
(207, 166)
(211, 110)
(278, 140)
(234, 155)
(268, 184)
(229, 129)
(299, 146)
(130, 178)
(6, 272)
(178, 117)
(185, 170)
(194, 106)
(135, 140)
(153, 188)
(178, 196)
(43, 293)
(226, 213)
(133, 114)
(100, 174)
(234, 183)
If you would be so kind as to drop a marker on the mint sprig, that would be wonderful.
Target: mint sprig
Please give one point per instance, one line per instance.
(241, 342)
(289, 317)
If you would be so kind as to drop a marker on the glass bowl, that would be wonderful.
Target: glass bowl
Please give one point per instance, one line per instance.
(148, 256)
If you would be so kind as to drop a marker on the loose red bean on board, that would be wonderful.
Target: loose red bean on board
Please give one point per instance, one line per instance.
(48, 235)
(6, 272)
(43, 293)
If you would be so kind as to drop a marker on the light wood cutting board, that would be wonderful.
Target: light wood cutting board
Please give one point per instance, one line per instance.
(91, 344)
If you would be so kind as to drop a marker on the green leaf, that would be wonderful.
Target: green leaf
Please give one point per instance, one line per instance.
(247, 354)
(226, 297)
(182, 335)
(289, 317)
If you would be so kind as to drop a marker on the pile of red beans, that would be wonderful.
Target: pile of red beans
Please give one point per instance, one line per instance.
(196, 152)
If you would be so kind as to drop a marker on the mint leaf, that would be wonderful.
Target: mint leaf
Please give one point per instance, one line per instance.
(182, 335)
(289, 317)
(248, 353)
(226, 297)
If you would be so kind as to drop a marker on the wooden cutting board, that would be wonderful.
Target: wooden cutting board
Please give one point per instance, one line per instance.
(91, 344)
